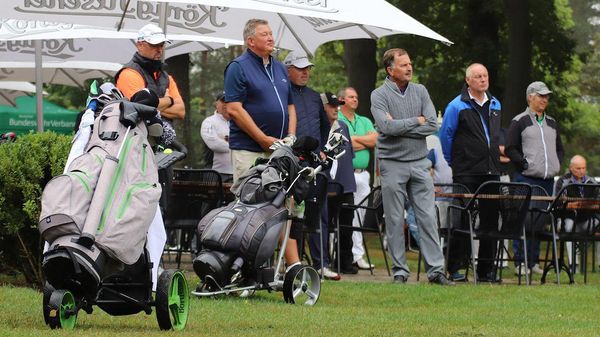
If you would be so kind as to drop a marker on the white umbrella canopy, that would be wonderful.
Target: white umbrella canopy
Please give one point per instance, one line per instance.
(71, 42)
(71, 73)
(10, 90)
(297, 25)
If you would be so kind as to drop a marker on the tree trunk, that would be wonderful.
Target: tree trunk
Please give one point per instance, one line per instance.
(361, 70)
(483, 42)
(179, 68)
(518, 73)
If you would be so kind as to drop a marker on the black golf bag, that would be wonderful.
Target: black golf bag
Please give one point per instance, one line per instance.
(241, 237)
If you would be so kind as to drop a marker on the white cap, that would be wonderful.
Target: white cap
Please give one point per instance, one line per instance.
(297, 60)
(152, 34)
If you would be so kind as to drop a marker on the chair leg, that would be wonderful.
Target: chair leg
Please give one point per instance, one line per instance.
(338, 257)
(367, 252)
(387, 266)
(527, 269)
(473, 260)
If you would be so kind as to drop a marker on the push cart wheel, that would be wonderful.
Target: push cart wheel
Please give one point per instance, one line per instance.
(172, 300)
(302, 285)
(47, 292)
(62, 310)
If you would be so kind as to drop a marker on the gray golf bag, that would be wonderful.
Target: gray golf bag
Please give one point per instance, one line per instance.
(95, 216)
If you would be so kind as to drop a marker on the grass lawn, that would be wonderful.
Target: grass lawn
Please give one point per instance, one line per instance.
(362, 306)
(347, 309)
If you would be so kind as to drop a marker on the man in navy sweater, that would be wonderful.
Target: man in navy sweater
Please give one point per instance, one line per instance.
(312, 122)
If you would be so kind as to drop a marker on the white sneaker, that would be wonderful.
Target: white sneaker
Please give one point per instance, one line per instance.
(247, 293)
(328, 274)
(362, 264)
(521, 270)
(536, 269)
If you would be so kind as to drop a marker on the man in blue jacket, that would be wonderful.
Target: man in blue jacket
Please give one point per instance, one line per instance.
(470, 136)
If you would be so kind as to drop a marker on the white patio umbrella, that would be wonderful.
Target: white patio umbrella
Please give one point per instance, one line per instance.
(71, 73)
(10, 90)
(297, 25)
(59, 43)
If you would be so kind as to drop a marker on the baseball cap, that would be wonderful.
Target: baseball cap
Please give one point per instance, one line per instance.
(297, 60)
(152, 34)
(329, 98)
(539, 88)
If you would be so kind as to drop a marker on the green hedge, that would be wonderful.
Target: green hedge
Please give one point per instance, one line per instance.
(25, 167)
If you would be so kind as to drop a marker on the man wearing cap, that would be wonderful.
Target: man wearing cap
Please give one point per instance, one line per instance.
(364, 137)
(311, 118)
(342, 173)
(534, 146)
(259, 100)
(215, 133)
(145, 70)
(470, 136)
(405, 116)
(311, 122)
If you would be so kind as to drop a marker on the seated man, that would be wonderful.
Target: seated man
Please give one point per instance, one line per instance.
(215, 134)
(577, 175)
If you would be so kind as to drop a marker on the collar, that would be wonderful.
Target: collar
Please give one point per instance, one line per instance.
(220, 116)
(298, 88)
(149, 65)
(259, 58)
(394, 87)
(481, 103)
(535, 115)
(582, 181)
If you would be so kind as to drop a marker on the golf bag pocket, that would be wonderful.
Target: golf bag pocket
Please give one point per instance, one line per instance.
(250, 230)
(219, 228)
(66, 198)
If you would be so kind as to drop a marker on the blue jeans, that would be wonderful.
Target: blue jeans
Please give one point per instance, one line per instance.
(412, 222)
(533, 247)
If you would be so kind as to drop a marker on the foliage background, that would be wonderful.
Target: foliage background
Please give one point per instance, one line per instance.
(25, 167)
(556, 41)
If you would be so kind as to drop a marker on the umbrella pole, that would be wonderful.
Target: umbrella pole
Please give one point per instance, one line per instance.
(162, 21)
(39, 91)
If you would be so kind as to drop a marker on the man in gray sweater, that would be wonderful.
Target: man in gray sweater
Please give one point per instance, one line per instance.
(405, 115)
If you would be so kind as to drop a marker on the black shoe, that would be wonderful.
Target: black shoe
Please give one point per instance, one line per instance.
(441, 279)
(488, 278)
(349, 270)
(400, 279)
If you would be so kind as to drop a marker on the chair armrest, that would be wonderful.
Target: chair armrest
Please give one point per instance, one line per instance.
(355, 207)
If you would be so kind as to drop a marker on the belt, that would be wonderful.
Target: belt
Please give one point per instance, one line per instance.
(359, 170)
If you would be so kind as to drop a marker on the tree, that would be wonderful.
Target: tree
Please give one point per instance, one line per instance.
(518, 72)
(361, 70)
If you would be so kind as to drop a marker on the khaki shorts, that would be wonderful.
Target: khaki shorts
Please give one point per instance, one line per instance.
(242, 160)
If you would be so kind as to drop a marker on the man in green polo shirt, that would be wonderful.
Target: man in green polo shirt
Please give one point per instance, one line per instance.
(364, 137)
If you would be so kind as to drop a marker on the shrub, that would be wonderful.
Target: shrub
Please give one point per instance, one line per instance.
(25, 167)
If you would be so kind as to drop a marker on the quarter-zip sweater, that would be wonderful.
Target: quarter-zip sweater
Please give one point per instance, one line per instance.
(402, 138)
(536, 143)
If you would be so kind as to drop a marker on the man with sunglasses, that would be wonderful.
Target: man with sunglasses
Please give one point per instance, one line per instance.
(145, 70)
